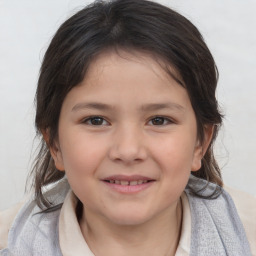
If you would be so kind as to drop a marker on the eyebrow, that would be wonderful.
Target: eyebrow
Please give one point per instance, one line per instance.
(144, 108)
(92, 105)
(159, 106)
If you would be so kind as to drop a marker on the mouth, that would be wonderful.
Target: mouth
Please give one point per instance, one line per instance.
(128, 184)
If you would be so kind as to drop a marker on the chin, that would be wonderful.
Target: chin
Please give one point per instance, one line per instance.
(129, 218)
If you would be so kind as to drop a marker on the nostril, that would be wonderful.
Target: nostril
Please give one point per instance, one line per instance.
(127, 152)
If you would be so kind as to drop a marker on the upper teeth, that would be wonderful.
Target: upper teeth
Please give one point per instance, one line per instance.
(131, 183)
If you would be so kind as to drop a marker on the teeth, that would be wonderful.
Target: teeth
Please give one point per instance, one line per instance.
(133, 183)
(125, 182)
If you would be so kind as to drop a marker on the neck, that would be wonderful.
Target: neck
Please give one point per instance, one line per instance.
(159, 236)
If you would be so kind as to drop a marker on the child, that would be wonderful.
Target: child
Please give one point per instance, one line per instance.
(127, 113)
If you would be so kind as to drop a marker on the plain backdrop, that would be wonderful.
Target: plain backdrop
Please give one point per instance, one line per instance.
(26, 27)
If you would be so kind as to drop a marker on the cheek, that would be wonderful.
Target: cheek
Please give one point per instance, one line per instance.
(176, 164)
(174, 156)
(175, 153)
(82, 154)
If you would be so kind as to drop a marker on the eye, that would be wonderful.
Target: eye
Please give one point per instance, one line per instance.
(96, 121)
(159, 120)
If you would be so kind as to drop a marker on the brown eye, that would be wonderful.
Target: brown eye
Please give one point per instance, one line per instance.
(159, 120)
(96, 120)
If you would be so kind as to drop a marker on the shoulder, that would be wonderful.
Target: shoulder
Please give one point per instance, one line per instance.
(246, 208)
(6, 219)
(22, 213)
(26, 227)
(217, 214)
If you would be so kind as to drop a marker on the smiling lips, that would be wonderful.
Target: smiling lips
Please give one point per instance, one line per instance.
(125, 182)
(128, 184)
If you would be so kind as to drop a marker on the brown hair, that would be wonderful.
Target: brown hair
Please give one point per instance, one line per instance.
(129, 25)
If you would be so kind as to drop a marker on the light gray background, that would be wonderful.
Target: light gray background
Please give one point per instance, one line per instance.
(26, 27)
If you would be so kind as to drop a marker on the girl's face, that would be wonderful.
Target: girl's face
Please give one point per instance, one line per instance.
(127, 139)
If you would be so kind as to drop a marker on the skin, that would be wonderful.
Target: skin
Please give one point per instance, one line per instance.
(128, 139)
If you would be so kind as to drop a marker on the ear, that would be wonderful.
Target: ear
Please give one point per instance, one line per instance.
(202, 147)
(55, 151)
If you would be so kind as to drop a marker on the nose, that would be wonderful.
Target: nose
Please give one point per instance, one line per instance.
(128, 146)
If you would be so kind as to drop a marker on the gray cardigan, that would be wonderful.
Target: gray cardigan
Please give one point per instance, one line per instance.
(216, 228)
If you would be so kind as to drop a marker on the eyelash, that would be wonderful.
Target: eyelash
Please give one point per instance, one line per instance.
(89, 119)
(165, 120)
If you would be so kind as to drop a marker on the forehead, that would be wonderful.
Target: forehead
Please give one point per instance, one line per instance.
(129, 78)
(151, 62)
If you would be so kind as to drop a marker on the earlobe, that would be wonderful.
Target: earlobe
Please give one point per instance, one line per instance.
(198, 155)
(55, 151)
(57, 157)
(202, 147)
